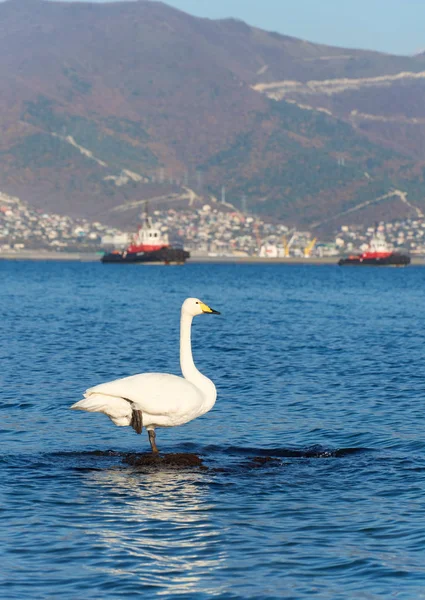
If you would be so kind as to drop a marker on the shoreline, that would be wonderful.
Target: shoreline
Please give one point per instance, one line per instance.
(40, 255)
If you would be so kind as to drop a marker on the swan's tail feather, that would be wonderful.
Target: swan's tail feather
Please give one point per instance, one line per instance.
(117, 409)
(137, 420)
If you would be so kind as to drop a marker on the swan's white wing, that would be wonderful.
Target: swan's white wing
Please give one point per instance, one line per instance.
(117, 409)
(153, 393)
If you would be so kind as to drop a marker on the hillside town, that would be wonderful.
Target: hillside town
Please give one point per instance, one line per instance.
(204, 231)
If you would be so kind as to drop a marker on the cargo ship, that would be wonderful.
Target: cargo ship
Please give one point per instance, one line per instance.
(150, 246)
(378, 255)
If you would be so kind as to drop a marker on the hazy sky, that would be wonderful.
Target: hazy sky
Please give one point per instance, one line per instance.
(396, 26)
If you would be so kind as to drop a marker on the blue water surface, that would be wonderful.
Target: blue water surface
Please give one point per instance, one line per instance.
(318, 367)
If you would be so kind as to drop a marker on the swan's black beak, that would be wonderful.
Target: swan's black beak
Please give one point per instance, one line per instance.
(214, 312)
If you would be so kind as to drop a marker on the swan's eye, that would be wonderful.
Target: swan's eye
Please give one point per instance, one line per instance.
(197, 303)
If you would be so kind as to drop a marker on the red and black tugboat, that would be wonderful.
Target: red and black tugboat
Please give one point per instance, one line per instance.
(149, 245)
(378, 255)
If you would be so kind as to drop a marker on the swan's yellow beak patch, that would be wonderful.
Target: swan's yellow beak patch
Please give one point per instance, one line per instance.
(206, 309)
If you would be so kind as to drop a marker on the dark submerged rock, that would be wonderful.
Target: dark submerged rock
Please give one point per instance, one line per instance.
(176, 461)
(263, 461)
(104, 453)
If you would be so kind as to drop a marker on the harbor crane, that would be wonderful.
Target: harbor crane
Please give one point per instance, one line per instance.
(287, 244)
(309, 248)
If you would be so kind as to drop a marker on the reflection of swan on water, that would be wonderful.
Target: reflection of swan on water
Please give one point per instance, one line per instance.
(158, 399)
(161, 529)
(168, 496)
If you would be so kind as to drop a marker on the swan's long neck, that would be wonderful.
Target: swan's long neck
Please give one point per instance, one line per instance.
(190, 372)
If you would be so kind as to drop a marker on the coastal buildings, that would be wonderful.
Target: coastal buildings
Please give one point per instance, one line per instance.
(407, 235)
(206, 230)
(25, 228)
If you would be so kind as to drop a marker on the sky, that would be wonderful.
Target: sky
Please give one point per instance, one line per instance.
(394, 26)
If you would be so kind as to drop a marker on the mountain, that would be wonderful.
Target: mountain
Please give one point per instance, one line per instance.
(104, 105)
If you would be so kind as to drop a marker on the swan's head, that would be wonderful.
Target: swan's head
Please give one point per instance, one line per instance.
(194, 306)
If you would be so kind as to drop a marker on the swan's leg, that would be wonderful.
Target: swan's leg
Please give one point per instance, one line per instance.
(152, 436)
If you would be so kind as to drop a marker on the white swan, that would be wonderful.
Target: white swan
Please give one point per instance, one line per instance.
(157, 399)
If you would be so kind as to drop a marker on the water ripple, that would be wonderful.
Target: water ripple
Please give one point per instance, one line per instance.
(314, 451)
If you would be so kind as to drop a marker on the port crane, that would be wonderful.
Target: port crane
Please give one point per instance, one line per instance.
(309, 248)
(287, 244)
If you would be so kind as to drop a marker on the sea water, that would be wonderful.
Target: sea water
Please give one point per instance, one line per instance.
(315, 485)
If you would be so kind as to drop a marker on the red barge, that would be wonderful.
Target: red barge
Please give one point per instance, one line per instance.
(378, 255)
(149, 245)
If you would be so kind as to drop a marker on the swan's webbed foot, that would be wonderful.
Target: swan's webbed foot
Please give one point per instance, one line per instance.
(152, 437)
